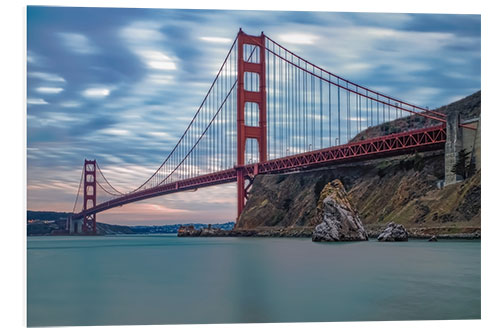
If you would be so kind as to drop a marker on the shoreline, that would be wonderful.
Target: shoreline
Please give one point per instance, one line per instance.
(474, 234)
(463, 233)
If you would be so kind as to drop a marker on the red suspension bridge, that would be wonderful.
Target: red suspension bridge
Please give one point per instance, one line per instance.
(267, 111)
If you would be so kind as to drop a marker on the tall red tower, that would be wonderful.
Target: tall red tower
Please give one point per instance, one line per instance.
(245, 97)
(89, 196)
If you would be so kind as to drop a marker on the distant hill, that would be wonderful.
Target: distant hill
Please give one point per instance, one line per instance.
(469, 107)
(46, 216)
(173, 228)
(50, 223)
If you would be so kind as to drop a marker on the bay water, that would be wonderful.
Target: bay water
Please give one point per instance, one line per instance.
(164, 279)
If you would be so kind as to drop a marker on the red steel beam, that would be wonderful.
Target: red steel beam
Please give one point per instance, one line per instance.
(394, 144)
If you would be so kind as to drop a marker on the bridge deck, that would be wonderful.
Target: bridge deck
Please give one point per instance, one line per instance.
(431, 138)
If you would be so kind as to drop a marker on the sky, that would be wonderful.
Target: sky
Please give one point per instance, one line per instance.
(121, 85)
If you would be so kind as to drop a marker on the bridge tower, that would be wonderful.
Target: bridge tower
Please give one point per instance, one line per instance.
(89, 196)
(244, 98)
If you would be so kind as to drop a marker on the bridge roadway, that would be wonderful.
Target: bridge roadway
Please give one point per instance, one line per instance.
(431, 138)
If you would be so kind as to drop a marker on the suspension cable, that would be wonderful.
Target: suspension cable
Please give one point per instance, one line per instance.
(201, 136)
(208, 126)
(78, 193)
(184, 134)
(113, 194)
(192, 121)
(353, 84)
(102, 174)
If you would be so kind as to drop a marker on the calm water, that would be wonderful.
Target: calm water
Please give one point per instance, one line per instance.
(165, 280)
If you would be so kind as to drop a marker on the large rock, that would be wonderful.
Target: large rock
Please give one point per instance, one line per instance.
(336, 217)
(393, 233)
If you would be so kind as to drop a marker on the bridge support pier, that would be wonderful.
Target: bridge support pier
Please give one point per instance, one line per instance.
(243, 189)
(74, 226)
(461, 135)
(240, 184)
(454, 143)
(69, 220)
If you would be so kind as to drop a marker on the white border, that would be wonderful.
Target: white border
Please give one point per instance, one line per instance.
(13, 119)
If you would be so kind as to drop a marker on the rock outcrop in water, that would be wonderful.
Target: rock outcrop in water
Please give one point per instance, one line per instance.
(393, 233)
(338, 220)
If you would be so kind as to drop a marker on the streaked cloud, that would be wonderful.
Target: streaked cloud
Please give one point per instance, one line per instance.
(142, 31)
(217, 40)
(161, 135)
(157, 60)
(30, 58)
(96, 92)
(49, 90)
(77, 43)
(356, 67)
(298, 38)
(116, 131)
(160, 79)
(46, 76)
(36, 101)
(70, 104)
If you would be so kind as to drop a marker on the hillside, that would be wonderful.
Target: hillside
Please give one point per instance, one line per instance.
(469, 107)
(400, 189)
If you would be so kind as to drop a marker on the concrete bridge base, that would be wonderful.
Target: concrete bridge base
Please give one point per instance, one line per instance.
(454, 143)
(458, 138)
(74, 226)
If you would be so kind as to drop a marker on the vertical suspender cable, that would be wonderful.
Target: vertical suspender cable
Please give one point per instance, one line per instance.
(321, 112)
(338, 109)
(330, 111)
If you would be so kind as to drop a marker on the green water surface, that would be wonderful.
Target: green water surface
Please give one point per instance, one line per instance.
(163, 279)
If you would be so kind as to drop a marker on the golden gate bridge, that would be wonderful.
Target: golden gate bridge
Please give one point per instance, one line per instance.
(268, 110)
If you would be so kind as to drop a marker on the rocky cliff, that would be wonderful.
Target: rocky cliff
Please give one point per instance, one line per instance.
(402, 189)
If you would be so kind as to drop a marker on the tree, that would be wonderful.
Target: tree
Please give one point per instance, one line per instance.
(471, 168)
(461, 167)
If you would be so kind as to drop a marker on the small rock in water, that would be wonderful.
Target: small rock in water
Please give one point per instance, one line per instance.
(338, 220)
(393, 233)
(433, 239)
